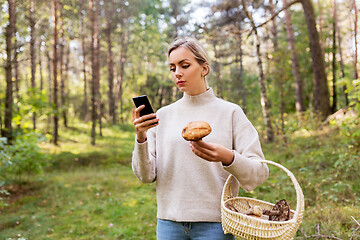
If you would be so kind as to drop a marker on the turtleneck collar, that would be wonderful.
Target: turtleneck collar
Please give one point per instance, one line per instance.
(200, 99)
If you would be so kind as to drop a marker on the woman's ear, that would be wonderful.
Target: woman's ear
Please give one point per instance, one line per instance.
(205, 70)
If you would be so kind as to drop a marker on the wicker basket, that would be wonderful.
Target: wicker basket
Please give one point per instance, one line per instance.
(253, 228)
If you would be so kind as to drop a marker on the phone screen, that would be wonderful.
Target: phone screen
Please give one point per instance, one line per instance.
(143, 100)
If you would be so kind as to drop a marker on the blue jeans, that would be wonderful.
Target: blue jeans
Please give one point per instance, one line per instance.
(170, 230)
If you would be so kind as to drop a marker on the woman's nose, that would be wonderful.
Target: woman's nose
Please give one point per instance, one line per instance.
(177, 72)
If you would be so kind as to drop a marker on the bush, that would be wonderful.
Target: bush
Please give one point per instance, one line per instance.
(23, 158)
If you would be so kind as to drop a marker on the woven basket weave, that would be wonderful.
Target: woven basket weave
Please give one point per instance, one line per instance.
(253, 228)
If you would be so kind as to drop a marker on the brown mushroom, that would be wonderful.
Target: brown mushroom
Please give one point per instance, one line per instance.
(280, 212)
(194, 131)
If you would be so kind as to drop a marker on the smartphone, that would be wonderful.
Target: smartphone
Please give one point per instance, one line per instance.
(143, 100)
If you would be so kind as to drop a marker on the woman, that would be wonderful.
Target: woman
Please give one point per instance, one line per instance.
(190, 176)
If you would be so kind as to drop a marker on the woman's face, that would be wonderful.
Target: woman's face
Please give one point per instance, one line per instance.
(187, 73)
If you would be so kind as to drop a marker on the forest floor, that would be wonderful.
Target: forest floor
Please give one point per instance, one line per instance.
(90, 192)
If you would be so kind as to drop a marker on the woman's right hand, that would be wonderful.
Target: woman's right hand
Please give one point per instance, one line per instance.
(143, 123)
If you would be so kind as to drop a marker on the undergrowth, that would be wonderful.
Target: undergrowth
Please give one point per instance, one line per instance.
(90, 192)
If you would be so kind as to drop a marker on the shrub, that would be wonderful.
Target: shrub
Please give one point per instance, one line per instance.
(23, 158)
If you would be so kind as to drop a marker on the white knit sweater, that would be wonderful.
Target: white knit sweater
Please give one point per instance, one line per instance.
(189, 188)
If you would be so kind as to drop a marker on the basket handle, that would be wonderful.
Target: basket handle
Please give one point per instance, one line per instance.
(227, 193)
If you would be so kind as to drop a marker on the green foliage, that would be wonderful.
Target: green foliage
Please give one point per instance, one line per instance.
(3, 192)
(91, 191)
(36, 102)
(22, 158)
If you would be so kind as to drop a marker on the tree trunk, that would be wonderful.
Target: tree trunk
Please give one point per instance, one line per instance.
(55, 85)
(175, 7)
(41, 69)
(16, 69)
(95, 68)
(83, 47)
(264, 100)
(124, 41)
(278, 70)
(300, 106)
(320, 25)
(10, 31)
(32, 55)
(341, 55)
(110, 60)
(333, 50)
(241, 75)
(48, 122)
(66, 69)
(97, 54)
(321, 91)
(93, 75)
(356, 74)
(217, 68)
(62, 67)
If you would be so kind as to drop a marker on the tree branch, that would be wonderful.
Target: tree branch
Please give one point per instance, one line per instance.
(355, 220)
(278, 12)
(273, 16)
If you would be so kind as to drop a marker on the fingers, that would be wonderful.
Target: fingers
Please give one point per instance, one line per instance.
(146, 120)
(137, 111)
(212, 152)
(143, 123)
(204, 150)
(201, 144)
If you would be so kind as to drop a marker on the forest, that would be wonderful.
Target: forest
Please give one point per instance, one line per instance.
(69, 70)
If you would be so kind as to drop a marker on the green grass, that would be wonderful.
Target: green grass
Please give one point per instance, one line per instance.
(90, 192)
(87, 203)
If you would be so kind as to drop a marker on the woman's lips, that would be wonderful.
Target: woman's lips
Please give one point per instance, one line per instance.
(180, 83)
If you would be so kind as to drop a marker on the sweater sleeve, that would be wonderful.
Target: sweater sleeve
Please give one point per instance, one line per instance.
(247, 152)
(144, 159)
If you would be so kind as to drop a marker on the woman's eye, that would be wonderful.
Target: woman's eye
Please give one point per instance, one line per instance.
(172, 69)
(186, 66)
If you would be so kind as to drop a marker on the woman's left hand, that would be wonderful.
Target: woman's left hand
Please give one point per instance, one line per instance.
(212, 152)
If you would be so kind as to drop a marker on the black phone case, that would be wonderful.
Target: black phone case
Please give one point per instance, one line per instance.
(143, 100)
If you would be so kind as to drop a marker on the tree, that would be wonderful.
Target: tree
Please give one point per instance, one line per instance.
(334, 95)
(83, 52)
(179, 17)
(110, 60)
(342, 75)
(279, 77)
(300, 106)
(32, 55)
(264, 99)
(231, 21)
(95, 100)
(356, 74)
(321, 91)
(55, 84)
(62, 66)
(10, 30)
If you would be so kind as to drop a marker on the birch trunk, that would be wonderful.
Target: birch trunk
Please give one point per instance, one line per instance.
(264, 99)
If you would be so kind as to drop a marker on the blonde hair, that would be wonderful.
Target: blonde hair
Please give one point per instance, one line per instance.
(194, 46)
